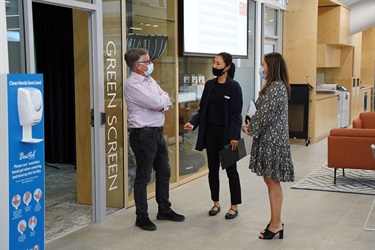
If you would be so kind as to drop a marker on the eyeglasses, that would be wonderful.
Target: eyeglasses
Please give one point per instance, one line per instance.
(148, 62)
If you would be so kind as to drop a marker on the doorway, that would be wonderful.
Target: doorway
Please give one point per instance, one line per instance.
(61, 39)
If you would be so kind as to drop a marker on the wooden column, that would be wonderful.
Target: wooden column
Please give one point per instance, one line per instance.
(300, 48)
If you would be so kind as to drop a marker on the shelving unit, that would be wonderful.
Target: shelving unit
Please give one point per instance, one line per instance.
(328, 47)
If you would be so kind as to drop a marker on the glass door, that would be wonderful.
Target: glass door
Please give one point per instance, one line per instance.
(64, 42)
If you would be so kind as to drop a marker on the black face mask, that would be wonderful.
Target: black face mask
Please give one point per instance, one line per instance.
(217, 72)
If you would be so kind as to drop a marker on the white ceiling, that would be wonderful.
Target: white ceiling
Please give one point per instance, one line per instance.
(361, 14)
(349, 2)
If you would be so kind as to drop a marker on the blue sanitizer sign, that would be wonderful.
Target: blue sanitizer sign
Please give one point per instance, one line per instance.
(25, 161)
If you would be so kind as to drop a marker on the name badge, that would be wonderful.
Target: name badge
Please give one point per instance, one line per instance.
(226, 97)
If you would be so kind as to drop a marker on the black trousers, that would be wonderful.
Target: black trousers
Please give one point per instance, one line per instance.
(214, 140)
(151, 152)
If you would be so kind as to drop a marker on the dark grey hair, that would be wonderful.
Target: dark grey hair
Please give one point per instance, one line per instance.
(133, 55)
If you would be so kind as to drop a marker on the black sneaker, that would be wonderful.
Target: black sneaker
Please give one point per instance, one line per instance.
(171, 215)
(145, 224)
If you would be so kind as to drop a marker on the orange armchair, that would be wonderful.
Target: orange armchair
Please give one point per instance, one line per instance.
(351, 148)
(365, 120)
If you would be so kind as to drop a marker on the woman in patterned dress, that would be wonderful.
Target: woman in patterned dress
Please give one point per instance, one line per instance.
(270, 152)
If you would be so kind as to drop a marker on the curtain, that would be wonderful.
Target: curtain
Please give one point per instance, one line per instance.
(53, 34)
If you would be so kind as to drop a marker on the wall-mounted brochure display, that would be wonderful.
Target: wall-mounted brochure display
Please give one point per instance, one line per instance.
(22, 161)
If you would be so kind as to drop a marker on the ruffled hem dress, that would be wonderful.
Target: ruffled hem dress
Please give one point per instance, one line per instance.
(270, 152)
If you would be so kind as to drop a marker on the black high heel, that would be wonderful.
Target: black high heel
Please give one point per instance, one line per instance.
(268, 235)
(268, 225)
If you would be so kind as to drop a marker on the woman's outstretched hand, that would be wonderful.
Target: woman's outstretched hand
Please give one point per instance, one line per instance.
(188, 126)
(244, 127)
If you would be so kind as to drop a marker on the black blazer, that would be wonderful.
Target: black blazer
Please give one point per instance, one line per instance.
(233, 110)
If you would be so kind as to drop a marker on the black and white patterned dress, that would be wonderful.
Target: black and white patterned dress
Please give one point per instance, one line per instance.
(270, 152)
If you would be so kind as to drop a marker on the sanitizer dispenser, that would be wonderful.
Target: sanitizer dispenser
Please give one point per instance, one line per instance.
(30, 111)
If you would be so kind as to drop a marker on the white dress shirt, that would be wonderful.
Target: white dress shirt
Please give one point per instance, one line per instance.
(145, 99)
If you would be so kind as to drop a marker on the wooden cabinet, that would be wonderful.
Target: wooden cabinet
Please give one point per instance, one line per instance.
(328, 56)
(326, 114)
(333, 25)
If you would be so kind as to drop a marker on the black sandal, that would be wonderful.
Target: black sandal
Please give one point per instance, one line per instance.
(214, 211)
(268, 235)
(268, 225)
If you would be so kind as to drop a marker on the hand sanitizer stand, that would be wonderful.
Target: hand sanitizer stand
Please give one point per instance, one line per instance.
(21, 161)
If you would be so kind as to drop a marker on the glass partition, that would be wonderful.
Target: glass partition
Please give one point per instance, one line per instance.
(113, 97)
(193, 73)
(270, 21)
(151, 24)
(15, 36)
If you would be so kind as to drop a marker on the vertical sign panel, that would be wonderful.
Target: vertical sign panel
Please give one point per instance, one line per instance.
(113, 58)
(26, 161)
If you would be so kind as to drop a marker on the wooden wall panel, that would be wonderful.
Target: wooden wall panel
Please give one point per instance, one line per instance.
(345, 37)
(368, 57)
(342, 75)
(357, 43)
(82, 108)
(328, 56)
(328, 25)
(333, 25)
(300, 48)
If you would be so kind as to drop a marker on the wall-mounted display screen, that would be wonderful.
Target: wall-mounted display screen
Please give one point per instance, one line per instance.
(211, 27)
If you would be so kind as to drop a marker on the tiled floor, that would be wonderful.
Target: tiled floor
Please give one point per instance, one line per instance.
(313, 219)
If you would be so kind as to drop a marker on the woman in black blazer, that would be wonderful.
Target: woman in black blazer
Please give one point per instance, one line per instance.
(219, 119)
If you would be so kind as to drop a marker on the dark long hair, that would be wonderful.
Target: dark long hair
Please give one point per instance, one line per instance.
(277, 71)
(227, 58)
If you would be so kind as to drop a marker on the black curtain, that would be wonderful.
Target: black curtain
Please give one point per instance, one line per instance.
(53, 34)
